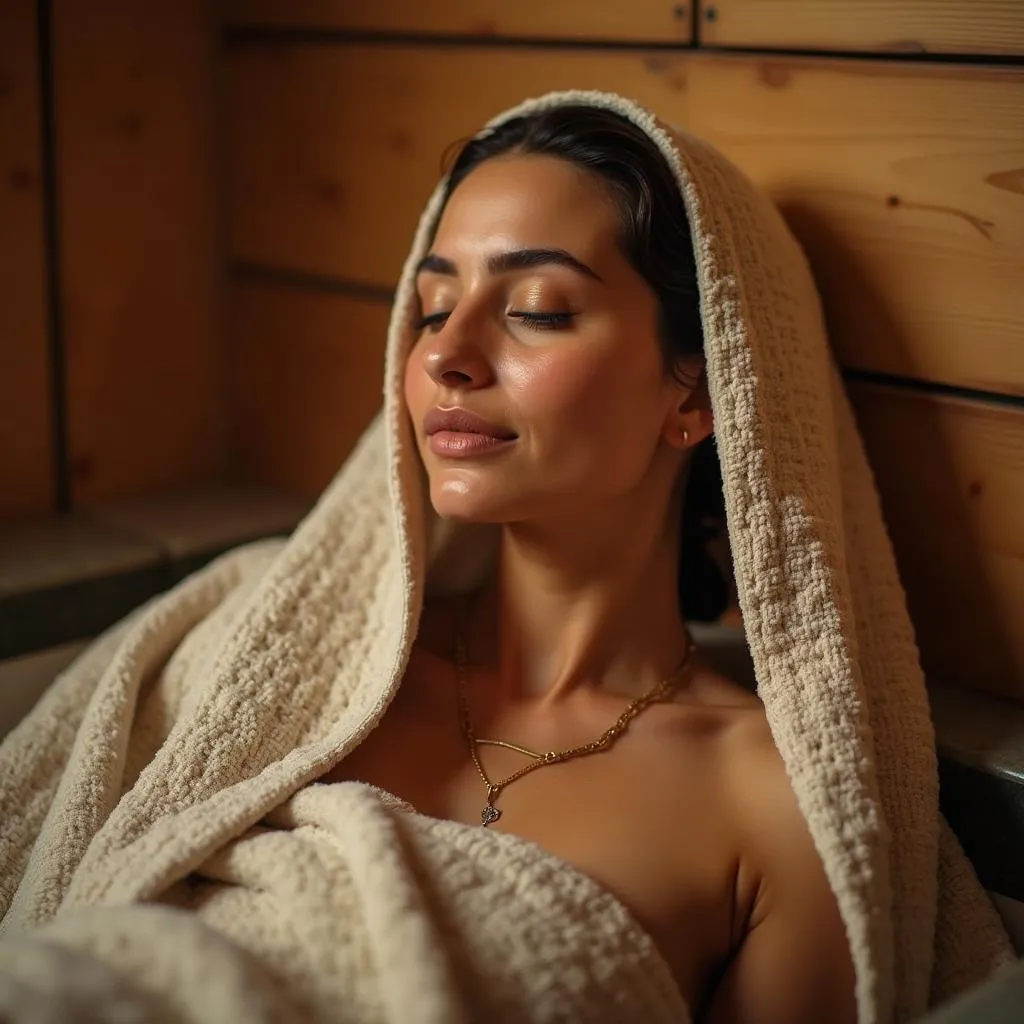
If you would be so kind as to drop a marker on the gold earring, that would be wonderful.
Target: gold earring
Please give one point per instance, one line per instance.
(686, 436)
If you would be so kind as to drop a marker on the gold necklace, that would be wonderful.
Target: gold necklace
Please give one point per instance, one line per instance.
(490, 813)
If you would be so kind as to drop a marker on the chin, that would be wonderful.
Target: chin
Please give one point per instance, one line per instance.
(459, 501)
(461, 511)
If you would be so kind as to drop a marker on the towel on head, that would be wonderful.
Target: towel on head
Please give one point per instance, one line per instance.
(165, 853)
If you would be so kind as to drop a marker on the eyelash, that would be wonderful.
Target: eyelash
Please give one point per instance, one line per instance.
(534, 321)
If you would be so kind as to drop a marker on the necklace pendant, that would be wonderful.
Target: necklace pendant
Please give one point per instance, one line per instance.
(489, 814)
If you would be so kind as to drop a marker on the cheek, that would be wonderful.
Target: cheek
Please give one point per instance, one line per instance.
(583, 387)
(594, 415)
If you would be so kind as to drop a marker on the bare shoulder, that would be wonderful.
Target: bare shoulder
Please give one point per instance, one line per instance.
(791, 960)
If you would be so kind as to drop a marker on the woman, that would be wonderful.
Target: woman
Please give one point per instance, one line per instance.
(272, 806)
(556, 388)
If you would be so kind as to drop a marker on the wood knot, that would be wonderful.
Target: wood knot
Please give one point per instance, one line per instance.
(775, 76)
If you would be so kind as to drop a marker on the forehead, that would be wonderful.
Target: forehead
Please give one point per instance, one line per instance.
(529, 201)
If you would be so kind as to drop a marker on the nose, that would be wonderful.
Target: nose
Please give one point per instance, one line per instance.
(454, 358)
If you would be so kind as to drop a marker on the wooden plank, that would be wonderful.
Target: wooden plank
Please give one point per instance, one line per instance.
(307, 378)
(139, 237)
(890, 26)
(26, 461)
(904, 182)
(639, 21)
(951, 475)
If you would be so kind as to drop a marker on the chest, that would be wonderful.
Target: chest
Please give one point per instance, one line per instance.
(640, 818)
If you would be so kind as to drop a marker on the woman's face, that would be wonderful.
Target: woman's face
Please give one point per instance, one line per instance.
(533, 320)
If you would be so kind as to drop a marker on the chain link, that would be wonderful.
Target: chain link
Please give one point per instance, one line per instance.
(491, 813)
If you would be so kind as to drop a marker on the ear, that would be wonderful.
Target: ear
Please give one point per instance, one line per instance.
(690, 420)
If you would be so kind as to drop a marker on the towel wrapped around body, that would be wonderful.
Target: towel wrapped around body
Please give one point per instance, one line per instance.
(167, 853)
(344, 904)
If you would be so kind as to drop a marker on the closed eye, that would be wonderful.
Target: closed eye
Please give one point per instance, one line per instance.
(543, 321)
(535, 321)
(435, 321)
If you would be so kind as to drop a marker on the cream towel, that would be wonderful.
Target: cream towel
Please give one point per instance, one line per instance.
(351, 907)
(182, 742)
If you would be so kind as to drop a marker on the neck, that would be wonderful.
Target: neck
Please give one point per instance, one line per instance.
(581, 606)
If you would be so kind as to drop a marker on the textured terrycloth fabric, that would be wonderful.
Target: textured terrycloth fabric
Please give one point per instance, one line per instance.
(164, 849)
(450, 919)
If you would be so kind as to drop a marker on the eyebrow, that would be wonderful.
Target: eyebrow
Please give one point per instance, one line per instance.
(515, 259)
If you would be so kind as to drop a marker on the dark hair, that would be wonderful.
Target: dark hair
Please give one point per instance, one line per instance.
(656, 240)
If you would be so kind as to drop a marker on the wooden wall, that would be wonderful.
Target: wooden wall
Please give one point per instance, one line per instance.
(26, 478)
(111, 364)
(903, 178)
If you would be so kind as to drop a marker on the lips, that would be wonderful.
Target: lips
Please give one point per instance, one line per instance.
(462, 421)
